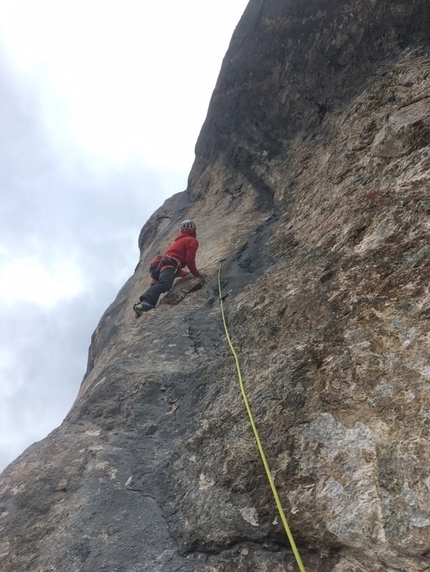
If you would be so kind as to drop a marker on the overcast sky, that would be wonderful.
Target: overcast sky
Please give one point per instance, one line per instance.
(101, 104)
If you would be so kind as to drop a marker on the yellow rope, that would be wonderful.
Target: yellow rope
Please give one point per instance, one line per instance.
(256, 435)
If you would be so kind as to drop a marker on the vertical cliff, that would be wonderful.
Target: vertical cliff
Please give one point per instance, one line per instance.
(311, 181)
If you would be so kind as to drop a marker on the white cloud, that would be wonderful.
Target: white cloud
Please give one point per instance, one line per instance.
(30, 279)
(139, 73)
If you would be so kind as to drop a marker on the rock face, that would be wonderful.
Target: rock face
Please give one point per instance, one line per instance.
(311, 181)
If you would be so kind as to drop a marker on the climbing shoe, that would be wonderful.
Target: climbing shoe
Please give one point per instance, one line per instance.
(141, 307)
(138, 310)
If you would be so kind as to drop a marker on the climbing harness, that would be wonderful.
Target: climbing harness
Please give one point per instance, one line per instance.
(159, 263)
(256, 434)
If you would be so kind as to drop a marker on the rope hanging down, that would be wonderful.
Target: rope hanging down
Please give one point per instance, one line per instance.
(256, 434)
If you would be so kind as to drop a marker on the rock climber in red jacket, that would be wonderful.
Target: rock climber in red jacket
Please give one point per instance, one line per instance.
(164, 269)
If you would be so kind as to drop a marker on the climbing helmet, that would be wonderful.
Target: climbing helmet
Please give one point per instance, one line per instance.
(188, 224)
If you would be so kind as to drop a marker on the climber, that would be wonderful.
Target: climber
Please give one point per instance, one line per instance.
(164, 269)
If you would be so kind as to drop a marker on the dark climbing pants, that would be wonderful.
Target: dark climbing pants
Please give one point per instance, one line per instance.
(164, 284)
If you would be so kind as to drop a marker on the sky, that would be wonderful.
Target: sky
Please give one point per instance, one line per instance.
(101, 104)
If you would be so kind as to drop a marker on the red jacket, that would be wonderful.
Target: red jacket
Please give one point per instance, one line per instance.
(184, 249)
